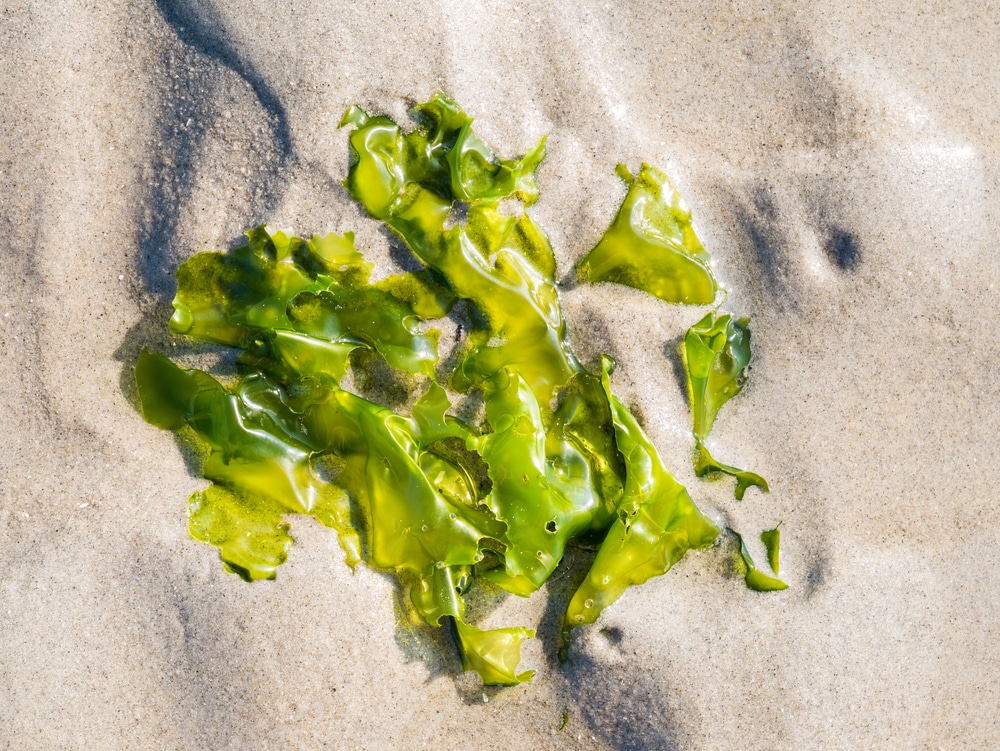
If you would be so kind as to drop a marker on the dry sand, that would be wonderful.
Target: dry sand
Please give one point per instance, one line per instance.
(133, 134)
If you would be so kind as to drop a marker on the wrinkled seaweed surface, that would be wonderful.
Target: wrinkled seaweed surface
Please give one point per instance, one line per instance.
(441, 501)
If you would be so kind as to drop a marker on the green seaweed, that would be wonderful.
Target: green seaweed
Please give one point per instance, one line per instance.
(299, 305)
(651, 245)
(716, 354)
(494, 654)
(439, 501)
(256, 454)
(756, 579)
(656, 524)
(772, 544)
(504, 265)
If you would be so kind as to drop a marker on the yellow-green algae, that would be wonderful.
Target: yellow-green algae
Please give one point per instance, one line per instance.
(657, 521)
(651, 244)
(772, 544)
(756, 579)
(716, 354)
(564, 458)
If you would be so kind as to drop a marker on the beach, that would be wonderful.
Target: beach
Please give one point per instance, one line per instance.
(842, 164)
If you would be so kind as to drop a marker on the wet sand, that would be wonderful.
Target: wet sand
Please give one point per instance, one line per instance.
(841, 160)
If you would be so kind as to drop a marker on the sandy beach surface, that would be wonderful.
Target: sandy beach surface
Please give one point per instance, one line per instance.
(841, 160)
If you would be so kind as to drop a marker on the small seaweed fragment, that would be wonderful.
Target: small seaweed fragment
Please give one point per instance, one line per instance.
(716, 353)
(494, 654)
(772, 544)
(756, 579)
(651, 245)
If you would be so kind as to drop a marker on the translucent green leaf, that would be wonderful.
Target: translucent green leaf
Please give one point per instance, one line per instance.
(421, 290)
(716, 354)
(651, 244)
(255, 451)
(704, 463)
(298, 307)
(438, 593)
(250, 534)
(502, 264)
(581, 452)
(540, 518)
(412, 524)
(493, 654)
(772, 543)
(756, 579)
(455, 154)
(657, 522)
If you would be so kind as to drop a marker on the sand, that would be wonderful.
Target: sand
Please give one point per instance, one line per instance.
(841, 160)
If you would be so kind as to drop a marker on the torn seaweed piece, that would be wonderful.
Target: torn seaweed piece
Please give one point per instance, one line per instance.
(756, 579)
(504, 265)
(651, 245)
(542, 511)
(421, 513)
(494, 654)
(656, 525)
(298, 307)
(259, 444)
(716, 353)
(258, 458)
(704, 463)
(772, 544)
(252, 537)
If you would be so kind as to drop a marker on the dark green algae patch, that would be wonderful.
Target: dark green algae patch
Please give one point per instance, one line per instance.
(563, 456)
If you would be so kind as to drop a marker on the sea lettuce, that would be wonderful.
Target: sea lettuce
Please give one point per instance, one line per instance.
(652, 245)
(541, 511)
(756, 579)
(298, 306)
(503, 265)
(772, 544)
(256, 454)
(494, 654)
(656, 524)
(716, 354)
(440, 501)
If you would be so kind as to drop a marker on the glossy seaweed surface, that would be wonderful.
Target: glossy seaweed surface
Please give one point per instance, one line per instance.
(651, 244)
(716, 354)
(758, 580)
(442, 502)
